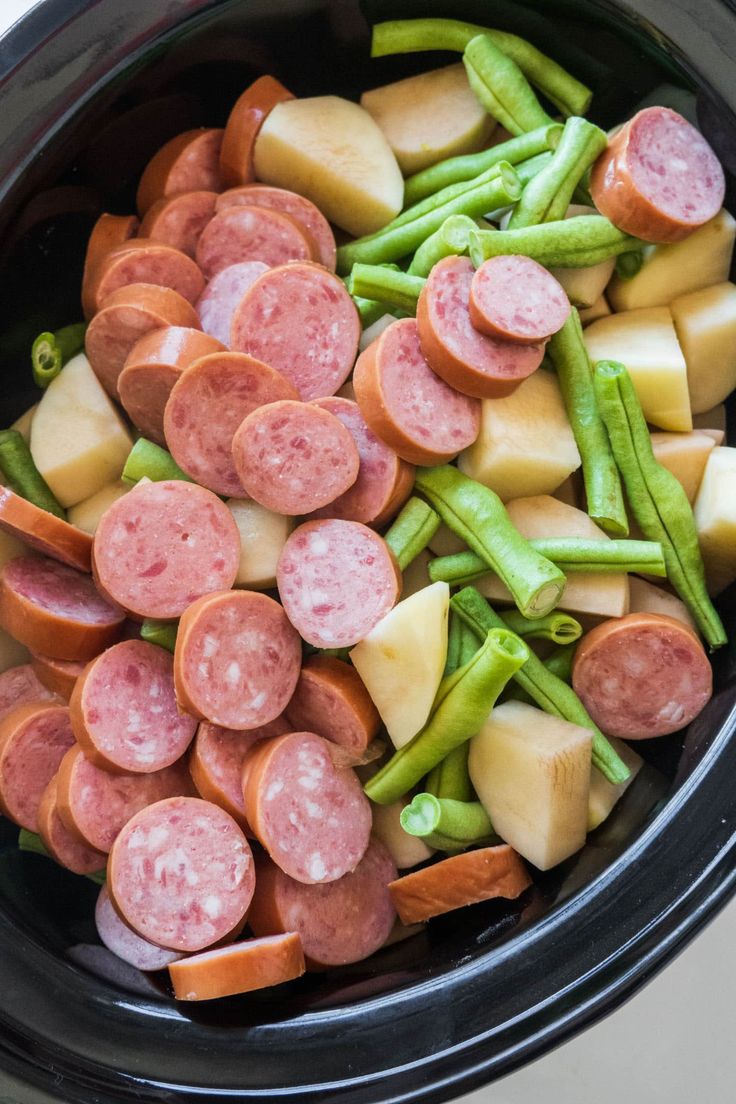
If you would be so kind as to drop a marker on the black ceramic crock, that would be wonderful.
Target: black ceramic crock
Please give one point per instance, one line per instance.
(88, 90)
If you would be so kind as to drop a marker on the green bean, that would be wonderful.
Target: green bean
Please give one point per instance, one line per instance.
(405, 36)
(391, 289)
(628, 264)
(456, 170)
(528, 170)
(162, 633)
(501, 88)
(451, 239)
(409, 230)
(369, 309)
(437, 199)
(560, 628)
(572, 554)
(411, 531)
(603, 490)
(455, 630)
(462, 704)
(51, 351)
(547, 196)
(477, 515)
(567, 243)
(446, 824)
(547, 691)
(30, 841)
(22, 476)
(147, 460)
(559, 662)
(657, 498)
(451, 777)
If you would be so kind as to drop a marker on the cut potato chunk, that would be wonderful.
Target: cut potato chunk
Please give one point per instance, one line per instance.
(368, 336)
(604, 795)
(715, 518)
(685, 455)
(646, 342)
(603, 595)
(600, 309)
(23, 424)
(401, 660)
(701, 259)
(710, 420)
(429, 117)
(405, 850)
(86, 515)
(331, 151)
(705, 322)
(445, 542)
(416, 575)
(572, 491)
(525, 445)
(262, 537)
(531, 772)
(645, 597)
(79, 442)
(584, 286)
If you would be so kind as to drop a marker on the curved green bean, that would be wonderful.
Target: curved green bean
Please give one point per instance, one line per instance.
(463, 702)
(559, 663)
(468, 166)
(370, 310)
(22, 476)
(404, 36)
(501, 87)
(567, 243)
(451, 239)
(548, 194)
(409, 230)
(545, 689)
(386, 286)
(446, 824)
(411, 531)
(572, 554)
(162, 633)
(148, 460)
(560, 628)
(477, 515)
(628, 264)
(451, 777)
(657, 498)
(51, 351)
(603, 490)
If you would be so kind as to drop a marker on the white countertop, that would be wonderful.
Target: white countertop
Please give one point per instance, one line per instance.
(671, 1044)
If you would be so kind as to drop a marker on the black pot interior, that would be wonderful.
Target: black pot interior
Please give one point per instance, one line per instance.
(190, 76)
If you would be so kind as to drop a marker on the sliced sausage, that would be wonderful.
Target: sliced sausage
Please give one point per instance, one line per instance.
(108, 232)
(58, 676)
(216, 763)
(300, 319)
(293, 457)
(313, 819)
(302, 210)
(207, 405)
(336, 580)
(468, 360)
(181, 873)
(384, 480)
(658, 179)
(515, 299)
(163, 545)
(642, 675)
(63, 846)
(224, 291)
(120, 938)
(44, 532)
(19, 685)
(190, 162)
(126, 316)
(123, 710)
(140, 261)
(331, 700)
(251, 234)
(237, 659)
(417, 414)
(95, 804)
(461, 880)
(33, 740)
(55, 610)
(178, 220)
(153, 366)
(244, 122)
(339, 922)
(240, 968)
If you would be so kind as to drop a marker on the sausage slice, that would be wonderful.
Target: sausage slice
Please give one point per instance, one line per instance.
(240, 968)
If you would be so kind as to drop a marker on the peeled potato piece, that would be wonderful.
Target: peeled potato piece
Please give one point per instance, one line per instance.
(416, 576)
(604, 795)
(645, 597)
(701, 259)
(429, 117)
(405, 850)
(331, 151)
(262, 537)
(715, 518)
(599, 309)
(685, 455)
(584, 286)
(705, 322)
(86, 515)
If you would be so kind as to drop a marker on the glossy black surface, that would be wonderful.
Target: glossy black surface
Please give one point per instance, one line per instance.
(88, 91)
